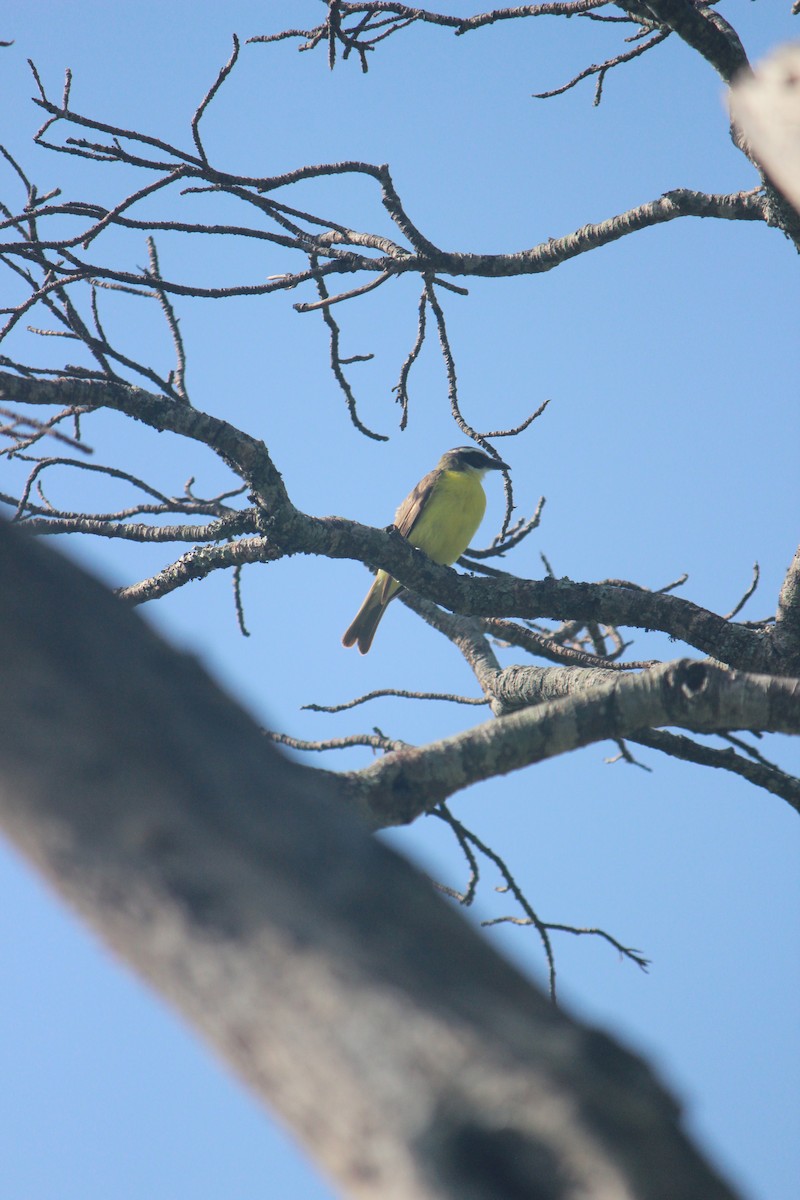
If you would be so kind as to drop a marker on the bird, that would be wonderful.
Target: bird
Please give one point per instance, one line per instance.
(440, 516)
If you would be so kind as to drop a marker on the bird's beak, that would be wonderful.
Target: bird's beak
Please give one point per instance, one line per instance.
(499, 465)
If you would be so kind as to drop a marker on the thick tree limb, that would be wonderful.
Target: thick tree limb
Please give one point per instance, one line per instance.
(694, 695)
(700, 27)
(410, 1060)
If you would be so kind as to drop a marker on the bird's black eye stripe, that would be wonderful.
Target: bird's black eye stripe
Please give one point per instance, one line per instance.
(476, 458)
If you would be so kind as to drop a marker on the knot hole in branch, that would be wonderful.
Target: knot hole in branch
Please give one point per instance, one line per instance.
(692, 678)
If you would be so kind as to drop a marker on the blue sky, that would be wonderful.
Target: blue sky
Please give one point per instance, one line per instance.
(670, 445)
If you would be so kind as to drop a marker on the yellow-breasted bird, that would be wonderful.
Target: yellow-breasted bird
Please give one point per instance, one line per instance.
(440, 516)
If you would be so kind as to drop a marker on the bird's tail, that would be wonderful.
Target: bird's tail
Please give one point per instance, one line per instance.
(366, 621)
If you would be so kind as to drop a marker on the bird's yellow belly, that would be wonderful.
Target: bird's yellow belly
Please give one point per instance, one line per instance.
(450, 518)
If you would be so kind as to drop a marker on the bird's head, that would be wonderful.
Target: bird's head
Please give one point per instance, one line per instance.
(471, 459)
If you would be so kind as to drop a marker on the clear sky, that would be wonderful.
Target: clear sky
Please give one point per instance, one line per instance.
(670, 446)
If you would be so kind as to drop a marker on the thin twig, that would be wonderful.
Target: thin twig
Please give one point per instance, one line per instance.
(237, 600)
(753, 585)
(761, 773)
(335, 359)
(327, 301)
(377, 741)
(546, 646)
(401, 387)
(509, 539)
(178, 376)
(41, 429)
(396, 692)
(499, 433)
(510, 885)
(466, 897)
(602, 69)
(209, 96)
(626, 756)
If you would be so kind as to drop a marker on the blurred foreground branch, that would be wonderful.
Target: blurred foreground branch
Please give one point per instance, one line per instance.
(314, 960)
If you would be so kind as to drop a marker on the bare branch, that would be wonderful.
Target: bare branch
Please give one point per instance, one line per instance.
(336, 359)
(761, 773)
(628, 952)
(209, 96)
(467, 836)
(694, 695)
(44, 464)
(523, 425)
(626, 756)
(103, 525)
(396, 692)
(466, 897)
(546, 646)
(377, 741)
(178, 376)
(197, 564)
(701, 28)
(62, 111)
(389, 18)
(506, 541)
(467, 635)
(401, 387)
(602, 69)
(237, 600)
(327, 300)
(40, 429)
(754, 584)
(246, 455)
(450, 367)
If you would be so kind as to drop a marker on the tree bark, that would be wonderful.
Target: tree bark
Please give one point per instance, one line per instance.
(409, 1058)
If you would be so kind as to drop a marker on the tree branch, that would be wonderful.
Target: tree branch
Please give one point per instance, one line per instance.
(762, 774)
(290, 531)
(693, 695)
(312, 959)
(700, 27)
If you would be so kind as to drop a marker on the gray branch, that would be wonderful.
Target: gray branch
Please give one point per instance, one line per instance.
(693, 695)
(322, 969)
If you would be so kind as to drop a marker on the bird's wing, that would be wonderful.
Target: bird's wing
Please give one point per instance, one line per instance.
(408, 513)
